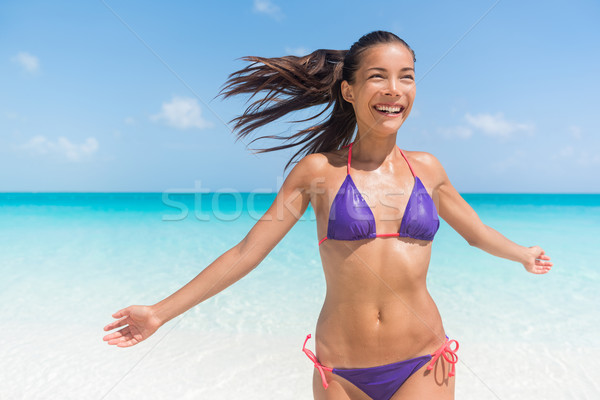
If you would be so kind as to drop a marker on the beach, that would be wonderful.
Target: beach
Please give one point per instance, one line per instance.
(69, 260)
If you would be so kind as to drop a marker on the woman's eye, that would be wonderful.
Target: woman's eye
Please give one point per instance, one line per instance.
(408, 77)
(376, 76)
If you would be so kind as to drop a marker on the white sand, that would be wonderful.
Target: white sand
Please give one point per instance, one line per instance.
(72, 362)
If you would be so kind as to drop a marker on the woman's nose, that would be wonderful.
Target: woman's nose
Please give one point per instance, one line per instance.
(393, 88)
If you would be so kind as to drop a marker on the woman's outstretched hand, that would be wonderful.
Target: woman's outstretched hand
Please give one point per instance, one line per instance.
(141, 323)
(537, 261)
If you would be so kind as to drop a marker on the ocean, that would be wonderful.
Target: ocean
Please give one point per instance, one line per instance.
(70, 260)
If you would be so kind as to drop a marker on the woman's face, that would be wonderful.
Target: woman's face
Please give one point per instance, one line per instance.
(384, 89)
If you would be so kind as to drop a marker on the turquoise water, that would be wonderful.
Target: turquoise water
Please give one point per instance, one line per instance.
(69, 260)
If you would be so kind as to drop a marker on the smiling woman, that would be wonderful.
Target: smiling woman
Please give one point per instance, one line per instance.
(295, 83)
(379, 333)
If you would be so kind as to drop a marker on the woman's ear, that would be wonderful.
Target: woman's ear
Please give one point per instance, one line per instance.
(347, 93)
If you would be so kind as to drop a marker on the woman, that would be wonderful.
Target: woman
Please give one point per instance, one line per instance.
(379, 334)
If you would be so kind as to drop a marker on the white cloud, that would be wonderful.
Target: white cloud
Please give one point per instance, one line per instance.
(40, 145)
(462, 132)
(523, 162)
(182, 113)
(588, 160)
(268, 8)
(297, 51)
(488, 124)
(10, 115)
(578, 156)
(575, 131)
(566, 151)
(28, 62)
(559, 160)
(496, 125)
(518, 160)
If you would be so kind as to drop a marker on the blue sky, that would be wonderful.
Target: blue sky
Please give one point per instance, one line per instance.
(120, 96)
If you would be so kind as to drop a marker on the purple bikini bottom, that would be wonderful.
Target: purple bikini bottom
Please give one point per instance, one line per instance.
(381, 382)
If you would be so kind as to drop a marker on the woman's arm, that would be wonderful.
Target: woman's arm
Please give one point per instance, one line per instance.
(463, 219)
(289, 205)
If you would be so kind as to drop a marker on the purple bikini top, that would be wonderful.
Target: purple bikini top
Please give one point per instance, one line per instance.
(350, 217)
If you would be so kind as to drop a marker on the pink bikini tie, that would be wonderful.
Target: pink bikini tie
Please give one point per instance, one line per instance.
(448, 354)
(318, 365)
(445, 351)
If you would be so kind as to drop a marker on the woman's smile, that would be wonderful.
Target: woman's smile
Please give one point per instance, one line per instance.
(389, 110)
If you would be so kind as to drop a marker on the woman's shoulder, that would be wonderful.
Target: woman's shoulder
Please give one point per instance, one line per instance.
(316, 168)
(321, 163)
(423, 159)
(426, 166)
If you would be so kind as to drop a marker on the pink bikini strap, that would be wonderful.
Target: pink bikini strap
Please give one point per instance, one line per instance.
(409, 166)
(448, 353)
(316, 362)
(349, 157)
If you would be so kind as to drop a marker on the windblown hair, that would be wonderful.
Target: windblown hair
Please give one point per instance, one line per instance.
(293, 83)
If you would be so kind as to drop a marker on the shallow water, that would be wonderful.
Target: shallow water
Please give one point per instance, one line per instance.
(68, 261)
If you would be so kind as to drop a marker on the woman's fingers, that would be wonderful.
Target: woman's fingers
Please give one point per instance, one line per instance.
(137, 324)
(116, 337)
(538, 270)
(542, 267)
(118, 340)
(128, 338)
(120, 337)
(112, 336)
(121, 313)
(118, 334)
(127, 343)
(116, 324)
(541, 262)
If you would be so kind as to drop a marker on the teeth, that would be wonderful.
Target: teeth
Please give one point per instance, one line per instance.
(388, 109)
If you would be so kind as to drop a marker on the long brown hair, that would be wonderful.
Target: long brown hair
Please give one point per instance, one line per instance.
(295, 83)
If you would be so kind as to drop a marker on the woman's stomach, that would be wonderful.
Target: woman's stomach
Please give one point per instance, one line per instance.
(358, 330)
